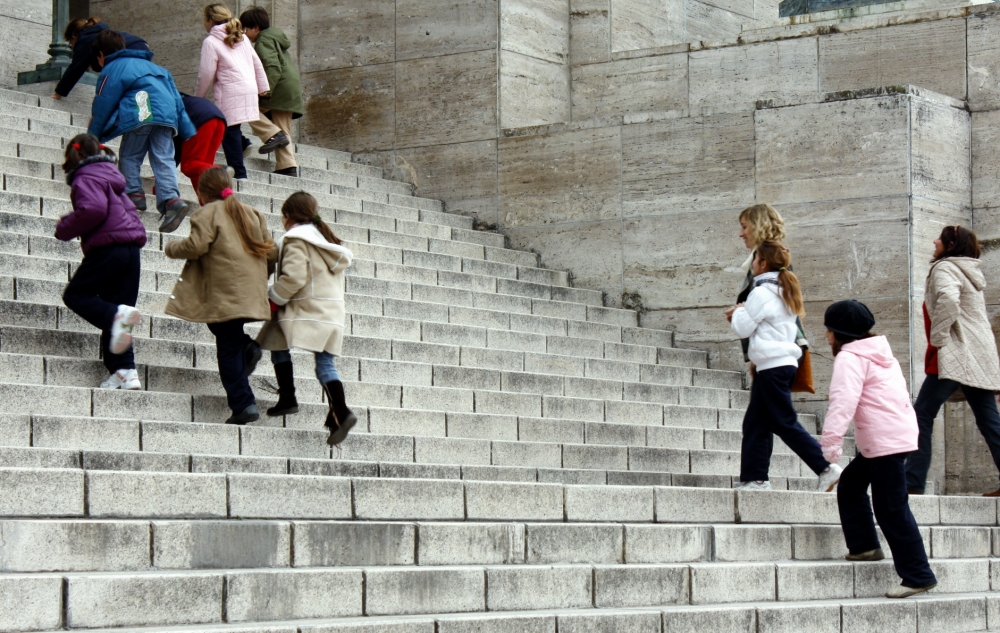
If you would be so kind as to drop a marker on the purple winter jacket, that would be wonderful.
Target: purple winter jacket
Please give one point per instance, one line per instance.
(102, 213)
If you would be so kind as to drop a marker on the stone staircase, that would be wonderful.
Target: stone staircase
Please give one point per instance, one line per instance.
(526, 459)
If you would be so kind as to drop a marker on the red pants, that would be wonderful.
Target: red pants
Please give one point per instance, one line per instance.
(198, 152)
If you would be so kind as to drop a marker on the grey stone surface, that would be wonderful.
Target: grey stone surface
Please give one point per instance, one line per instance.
(291, 594)
(41, 493)
(732, 582)
(155, 495)
(220, 544)
(874, 616)
(613, 622)
(516, 588)
(335, 544)
(470, 543)
(689, 505)
(540, 623)
(428, 29)
(609, 503)
(571, 543)
(289, 496)
(433, 590)
(819, 581)
(66, 545)
(408, 499)
(31, 603)
(752, 543)
(640, 586)
(497, 501)
(777, 618)
(118, 600)
(630, 86)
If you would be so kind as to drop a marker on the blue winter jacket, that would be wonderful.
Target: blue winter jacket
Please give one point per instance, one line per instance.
(132, 91)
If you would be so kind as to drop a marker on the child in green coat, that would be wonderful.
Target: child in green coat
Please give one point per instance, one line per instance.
(284, 103)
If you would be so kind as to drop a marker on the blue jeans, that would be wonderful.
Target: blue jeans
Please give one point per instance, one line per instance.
(933, 394)
(158, 142)
(326, 368)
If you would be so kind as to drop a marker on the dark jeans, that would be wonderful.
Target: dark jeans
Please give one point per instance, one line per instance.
(107, 278)
(771, 413)
(933, 394)
(232, 147)
(230, 341)
(886, 476)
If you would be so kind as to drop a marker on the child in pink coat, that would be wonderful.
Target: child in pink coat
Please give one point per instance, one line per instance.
(868, 387)
(228, 59)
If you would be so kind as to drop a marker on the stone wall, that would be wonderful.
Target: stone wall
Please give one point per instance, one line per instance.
(25, 34)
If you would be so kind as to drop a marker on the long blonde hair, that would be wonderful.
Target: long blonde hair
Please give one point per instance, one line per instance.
(779, 259)
(210, 187)
(220, 14)
(765, 223)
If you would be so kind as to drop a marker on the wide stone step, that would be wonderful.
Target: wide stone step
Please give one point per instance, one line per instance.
(136, 598)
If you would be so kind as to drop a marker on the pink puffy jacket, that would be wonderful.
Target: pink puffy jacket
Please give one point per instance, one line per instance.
(238, 74)
(868, 387)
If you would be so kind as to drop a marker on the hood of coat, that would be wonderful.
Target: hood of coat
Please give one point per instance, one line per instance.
(129, 52)
(332, 253)
(876, 349)
(102, 167)
(972, 268)
(219, 31)
(277, 36)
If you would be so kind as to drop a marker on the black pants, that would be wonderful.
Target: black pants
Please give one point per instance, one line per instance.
(107, 278)
(771, 413)
(887, 478)
(232, 147)
(230, 341)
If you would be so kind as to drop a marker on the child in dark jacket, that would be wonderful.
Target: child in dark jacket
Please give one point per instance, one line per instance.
(197, 154)
(80, 34)
(137, 100)
(105, 287)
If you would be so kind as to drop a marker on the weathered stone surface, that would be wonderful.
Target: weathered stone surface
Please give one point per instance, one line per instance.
(941, 158)
(640, 585)
(628, 86)
(408, 499)
(793, 618)
(289, 496)
(403, 591)
(646, 24)
(470, 544)
(299, 593)
(220, 544)
(590, 31)
(986, 171)
(449, 99)
(463, 175)
(798, 161)
(735, 619)
(346, 33)
(154, 494)
(574, 544)
(667, 543)
(37, 546)
(926, 54)
(31, 603)
(116, 600)
(353, 544)
(495, 501)
(572, 176)
(732, 79)
(485, 623)
(732, 582)
(983, 62)
(428, 28)
(515, 588)
(536, 28)
(350, 109)
(880, 617)
(532, 91)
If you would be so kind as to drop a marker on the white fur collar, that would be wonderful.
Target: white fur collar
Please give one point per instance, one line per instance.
(309, 233)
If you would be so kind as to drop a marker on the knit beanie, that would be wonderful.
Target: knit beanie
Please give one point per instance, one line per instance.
(849, 318)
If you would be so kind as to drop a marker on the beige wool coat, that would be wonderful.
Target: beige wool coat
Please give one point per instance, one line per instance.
(309, 287)
(221, 281)
(960, 328)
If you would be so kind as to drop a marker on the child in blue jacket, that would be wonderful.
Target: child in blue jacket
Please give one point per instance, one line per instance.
(137, 100)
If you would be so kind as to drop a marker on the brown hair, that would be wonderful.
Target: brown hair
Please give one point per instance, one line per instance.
(220, 14)
(959, 242)
(213, 182)
(107, 43)
(839, 340)
(256, 18)
(302, 208)
(75, 26)
(778, 258)
(765, 223)
(83, 146)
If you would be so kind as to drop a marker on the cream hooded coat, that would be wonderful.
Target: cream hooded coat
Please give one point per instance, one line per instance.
(960, 327)
(309, 287)
(238, 75)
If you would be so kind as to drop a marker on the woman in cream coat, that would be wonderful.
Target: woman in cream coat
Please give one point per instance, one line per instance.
(961, 350)
(308, 300)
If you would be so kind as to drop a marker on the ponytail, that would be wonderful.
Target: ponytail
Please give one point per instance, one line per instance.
(302, 208)
(83, 146)
(778, 258)
(220, 14)
(234, 32)
(216, 185)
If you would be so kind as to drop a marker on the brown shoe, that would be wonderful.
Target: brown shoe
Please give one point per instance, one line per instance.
(995, 493)
(870, 555)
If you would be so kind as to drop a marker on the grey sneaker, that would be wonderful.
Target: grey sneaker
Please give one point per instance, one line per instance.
(870, 555)
(906, 592)
(246, 416)
(277, 141)
(753, 485)
(174, 213)
(139, 200)
(829, 478)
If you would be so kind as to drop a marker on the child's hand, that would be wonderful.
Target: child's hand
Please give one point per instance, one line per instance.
(274, 306)
(729, 312)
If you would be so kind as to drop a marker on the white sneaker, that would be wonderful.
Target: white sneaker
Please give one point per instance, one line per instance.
(829, 478)
(753, 485)
(127, 379)
(121, 330)
(231, 172)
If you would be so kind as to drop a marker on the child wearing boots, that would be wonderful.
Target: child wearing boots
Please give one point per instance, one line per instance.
(768, 319)
(105, 287)
(868, 387)
(224, 283)
(308, 300)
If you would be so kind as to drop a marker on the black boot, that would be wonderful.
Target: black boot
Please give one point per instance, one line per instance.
(340, 419)
(287, 404)
(245, 416)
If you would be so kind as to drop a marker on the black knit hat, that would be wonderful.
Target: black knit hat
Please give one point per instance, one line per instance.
(849, 318)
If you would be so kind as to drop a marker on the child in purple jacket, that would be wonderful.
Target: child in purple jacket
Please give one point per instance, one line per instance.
(105, 287)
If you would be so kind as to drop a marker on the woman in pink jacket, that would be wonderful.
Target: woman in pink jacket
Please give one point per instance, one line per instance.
(868, 387)
(228, 59)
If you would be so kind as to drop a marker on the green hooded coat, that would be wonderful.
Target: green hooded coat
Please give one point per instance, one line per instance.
(286, 87)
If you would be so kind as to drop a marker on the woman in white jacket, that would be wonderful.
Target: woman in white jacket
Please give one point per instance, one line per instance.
(768, 319)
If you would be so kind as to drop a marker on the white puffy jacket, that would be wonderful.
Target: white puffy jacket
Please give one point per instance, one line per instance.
(769, 324)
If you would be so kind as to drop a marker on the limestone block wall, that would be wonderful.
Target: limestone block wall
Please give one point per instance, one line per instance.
(25, 33)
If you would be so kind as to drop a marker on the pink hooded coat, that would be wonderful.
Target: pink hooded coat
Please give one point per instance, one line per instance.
(868, 387)
(238, 74)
